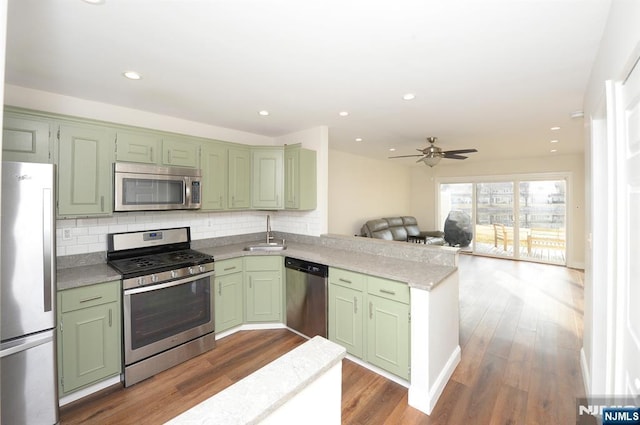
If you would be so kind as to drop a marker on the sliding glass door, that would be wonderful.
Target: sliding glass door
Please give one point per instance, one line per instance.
(513, 218)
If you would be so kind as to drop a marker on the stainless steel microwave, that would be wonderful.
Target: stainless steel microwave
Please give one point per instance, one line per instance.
(142, 187)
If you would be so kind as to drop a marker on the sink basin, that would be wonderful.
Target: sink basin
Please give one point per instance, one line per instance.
(264, 246)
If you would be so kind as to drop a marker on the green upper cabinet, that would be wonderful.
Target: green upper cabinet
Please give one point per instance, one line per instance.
(213, 162)
(85, 160)
(138, 147)
(267, 178)
(300, 178)
(239, 174)
(26, 138)
(180, 152)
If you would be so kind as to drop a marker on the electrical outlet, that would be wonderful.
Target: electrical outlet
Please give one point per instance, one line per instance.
(66, 234)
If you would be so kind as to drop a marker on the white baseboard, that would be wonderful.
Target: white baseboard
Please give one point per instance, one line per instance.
(88, 391)
(445, 375)
(586, 375)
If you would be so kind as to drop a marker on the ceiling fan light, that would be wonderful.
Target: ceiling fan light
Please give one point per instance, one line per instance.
(431, 160)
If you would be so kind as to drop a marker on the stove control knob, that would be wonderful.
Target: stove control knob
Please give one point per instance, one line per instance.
(201, 268)
(173, 274)
(140, 281)
(154, 278)
(191, 271)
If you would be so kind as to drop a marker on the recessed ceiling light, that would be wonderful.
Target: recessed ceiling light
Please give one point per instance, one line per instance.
(94, 1)
(577, 114)
(554, 141)
(555, 128)
(554, 150)
(392, 149)
(358, 139)
(132, 75)
(409, 96)
(264, 113)
(343, 113)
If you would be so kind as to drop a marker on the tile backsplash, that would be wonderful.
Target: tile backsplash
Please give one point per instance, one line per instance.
(87, 235)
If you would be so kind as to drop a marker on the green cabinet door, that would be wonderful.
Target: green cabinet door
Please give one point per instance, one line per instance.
(346, 319)
(388, 335)
(300, 178)
(263, 296)
(267, 178)
(239, 178)
(229, 301)
(180, 152)
(89, 335)
(213, 162)
(26, 138)
(85, 170)
(138, 147)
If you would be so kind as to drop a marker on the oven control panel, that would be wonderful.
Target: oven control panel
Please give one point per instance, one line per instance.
(166, 276)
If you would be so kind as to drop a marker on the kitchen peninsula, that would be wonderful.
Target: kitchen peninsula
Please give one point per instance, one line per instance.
(429, 272)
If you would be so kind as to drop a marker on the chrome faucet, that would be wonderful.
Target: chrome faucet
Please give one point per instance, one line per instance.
(269, 234)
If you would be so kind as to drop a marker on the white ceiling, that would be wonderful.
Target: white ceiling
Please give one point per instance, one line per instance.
(489, 74)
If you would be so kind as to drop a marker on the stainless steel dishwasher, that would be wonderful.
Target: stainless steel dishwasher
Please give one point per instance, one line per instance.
(306, 284)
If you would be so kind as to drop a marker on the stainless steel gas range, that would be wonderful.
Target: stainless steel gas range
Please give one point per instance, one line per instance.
(167, 299)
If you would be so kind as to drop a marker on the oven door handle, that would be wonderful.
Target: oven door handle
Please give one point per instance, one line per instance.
(165, 285)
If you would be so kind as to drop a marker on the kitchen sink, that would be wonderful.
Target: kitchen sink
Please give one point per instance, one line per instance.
(266, 246)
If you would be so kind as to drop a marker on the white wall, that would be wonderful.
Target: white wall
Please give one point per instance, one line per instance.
(89, 234)
(362, 188)
(619, 46)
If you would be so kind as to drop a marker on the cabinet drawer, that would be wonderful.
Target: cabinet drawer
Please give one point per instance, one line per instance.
(390, 289)
(347, 279)
(226, 267)
(89, 296)
(267, 262)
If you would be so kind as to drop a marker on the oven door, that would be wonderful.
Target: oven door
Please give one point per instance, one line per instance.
(163, 316)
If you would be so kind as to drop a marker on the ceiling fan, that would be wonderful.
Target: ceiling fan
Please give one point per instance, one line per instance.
(432, 154)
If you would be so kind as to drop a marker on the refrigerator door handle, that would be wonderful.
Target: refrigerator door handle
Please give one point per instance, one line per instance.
(25, 344)
(49, 248)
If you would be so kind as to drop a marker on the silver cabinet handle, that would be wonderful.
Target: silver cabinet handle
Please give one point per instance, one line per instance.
(102, 203)
(355, 305)
(110, 317)
(345, 281)
(219, 288)
(151, 153)
(386, 291)
(86, 300)
(370, 310)
(250, 282)
(226, 269)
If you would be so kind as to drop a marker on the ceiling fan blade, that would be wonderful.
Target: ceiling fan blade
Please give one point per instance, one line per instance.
(404, 156)
(454, 156)
(462, 151)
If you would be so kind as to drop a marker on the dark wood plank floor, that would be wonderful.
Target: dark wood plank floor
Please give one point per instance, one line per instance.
(520, 333)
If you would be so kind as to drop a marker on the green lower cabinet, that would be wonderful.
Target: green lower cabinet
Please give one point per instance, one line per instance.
(263, 296)
(345, 319)
(370, 317)
(388, 335)
(89, 335)
(229, 311)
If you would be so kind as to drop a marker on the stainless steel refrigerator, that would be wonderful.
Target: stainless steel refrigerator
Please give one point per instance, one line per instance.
(28, 263)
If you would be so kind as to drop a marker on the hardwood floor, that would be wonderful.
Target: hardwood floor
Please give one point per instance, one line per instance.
(520, 333)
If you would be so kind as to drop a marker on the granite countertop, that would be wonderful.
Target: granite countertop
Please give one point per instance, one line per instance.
(85, 275)
(417, 274)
